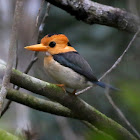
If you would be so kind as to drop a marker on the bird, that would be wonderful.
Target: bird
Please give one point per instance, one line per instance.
(65, 65)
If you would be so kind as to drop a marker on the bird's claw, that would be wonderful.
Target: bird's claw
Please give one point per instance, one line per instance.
(61, 86)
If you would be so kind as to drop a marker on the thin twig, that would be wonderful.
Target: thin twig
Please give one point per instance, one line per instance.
(37, 24)
(84, 90)
(12, 52)
(46, 14)
(6, 107)
(14, 86)
(120, 113)
(40, 22)
(33, 60)
(43, 21)
(16, 65)
(38, 33)
(114, 65)
(120, 58)
(39, 13)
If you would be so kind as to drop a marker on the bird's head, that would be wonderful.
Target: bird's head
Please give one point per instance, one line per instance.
(53, 44)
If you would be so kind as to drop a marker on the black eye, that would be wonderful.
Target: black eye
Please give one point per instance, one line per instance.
(52, 44)
(69, 44)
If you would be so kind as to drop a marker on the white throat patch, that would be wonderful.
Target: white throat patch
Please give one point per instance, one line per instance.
(48, 54)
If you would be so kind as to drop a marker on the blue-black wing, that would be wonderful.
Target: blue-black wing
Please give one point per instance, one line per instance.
(77, 63)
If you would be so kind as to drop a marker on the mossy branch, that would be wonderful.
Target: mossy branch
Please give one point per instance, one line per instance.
(39, 104)
(75, 104)
(49, 107)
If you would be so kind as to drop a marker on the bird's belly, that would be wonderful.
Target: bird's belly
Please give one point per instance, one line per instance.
(66, 76)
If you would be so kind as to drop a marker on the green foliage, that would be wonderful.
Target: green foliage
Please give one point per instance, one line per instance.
(131, 96)
(94, 136)
(4, 135)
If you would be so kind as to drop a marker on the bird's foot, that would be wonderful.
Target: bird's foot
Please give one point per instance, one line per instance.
(72, 93)
(61, 86)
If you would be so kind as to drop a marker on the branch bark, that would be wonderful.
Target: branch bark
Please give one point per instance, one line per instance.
(94, 13)
(39, 104)
(76, 105)
(48, 107)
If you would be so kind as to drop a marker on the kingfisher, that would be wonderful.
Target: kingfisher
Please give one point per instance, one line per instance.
(65, 65)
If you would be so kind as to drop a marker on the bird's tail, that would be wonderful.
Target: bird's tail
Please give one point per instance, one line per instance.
(103, 85)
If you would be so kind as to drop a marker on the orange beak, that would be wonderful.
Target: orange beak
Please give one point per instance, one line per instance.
(37, 47)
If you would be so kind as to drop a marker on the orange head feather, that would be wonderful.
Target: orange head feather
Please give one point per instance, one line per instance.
(53, 44)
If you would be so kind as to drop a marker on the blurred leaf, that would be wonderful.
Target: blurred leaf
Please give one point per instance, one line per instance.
(4, 135)
(131, 95)
(94, 136)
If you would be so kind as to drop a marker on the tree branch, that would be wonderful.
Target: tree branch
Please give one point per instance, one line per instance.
(121, 56)
(94, 13)
(120, 114)
(117, 62)
(7, 106)
(36, 38)
(98, 132)
(39, 104)
(76, 105)
(12, 52)
(48, 107)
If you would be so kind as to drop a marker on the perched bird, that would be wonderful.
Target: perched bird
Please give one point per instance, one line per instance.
(65, 64)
